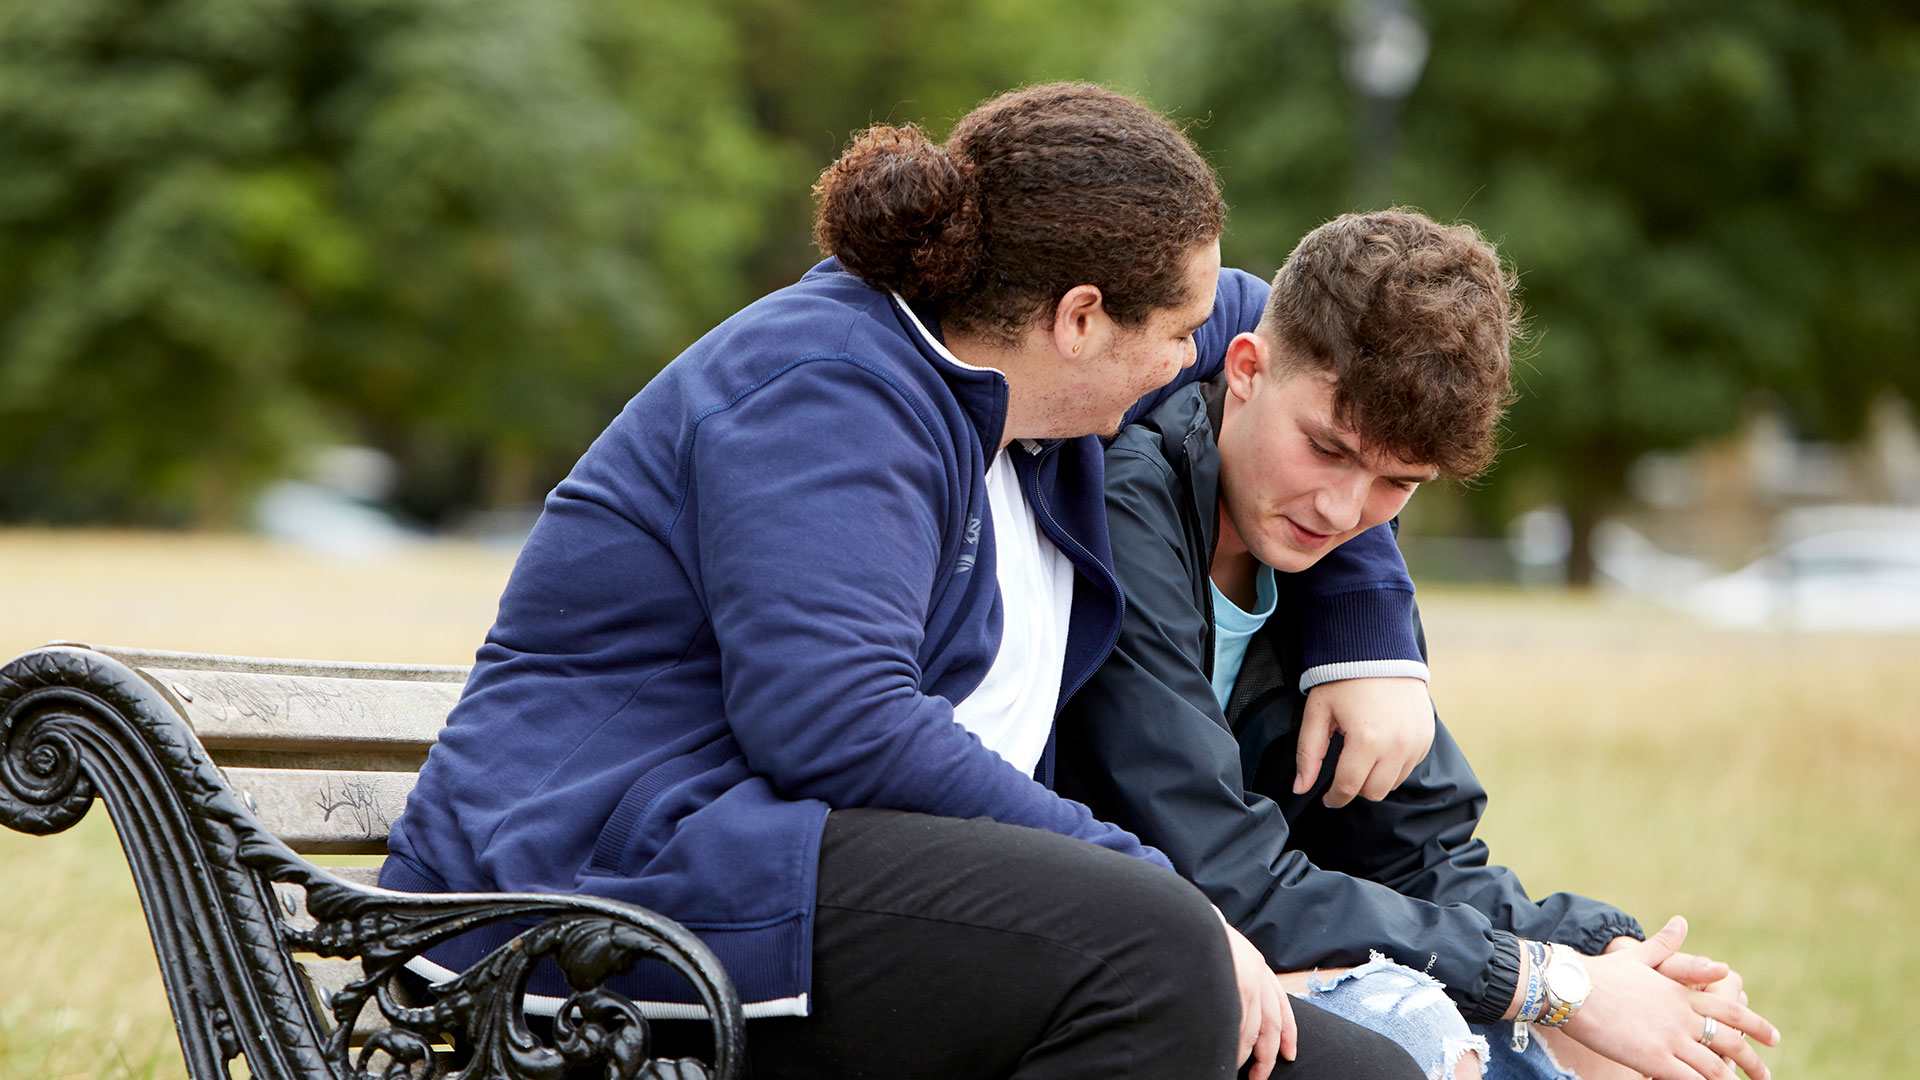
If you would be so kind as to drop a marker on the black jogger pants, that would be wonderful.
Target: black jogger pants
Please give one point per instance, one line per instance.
(970, 950)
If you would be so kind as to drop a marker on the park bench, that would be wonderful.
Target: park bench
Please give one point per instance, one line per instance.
(220, 773)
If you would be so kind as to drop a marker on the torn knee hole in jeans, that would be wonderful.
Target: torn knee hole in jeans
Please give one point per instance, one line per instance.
(1410, 1007)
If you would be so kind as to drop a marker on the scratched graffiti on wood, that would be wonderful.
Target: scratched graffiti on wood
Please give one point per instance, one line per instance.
(325, 710)
(355, 801)
(284, 699)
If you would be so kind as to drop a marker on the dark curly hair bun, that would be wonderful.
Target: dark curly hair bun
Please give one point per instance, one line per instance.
(1036, 191)
(902, 213)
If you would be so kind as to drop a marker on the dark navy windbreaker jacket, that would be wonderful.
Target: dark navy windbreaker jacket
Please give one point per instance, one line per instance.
(753, 600)
(1146, 744)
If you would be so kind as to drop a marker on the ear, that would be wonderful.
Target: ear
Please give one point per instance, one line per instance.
(1080, 321)
(1248, 355)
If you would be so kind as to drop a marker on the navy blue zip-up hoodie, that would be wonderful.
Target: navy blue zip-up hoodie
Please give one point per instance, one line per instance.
(753, 600)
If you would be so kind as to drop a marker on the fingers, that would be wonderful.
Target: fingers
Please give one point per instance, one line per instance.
(1316, 731)
(1364, 769)
(1249, 1021)
(1732, 987)
(1695, 971)
(1743, 1054)
(1260, 1002)
(1705, 1062)
(1392, 763)
(1289, 1030)
(1272, 1026)
(1407, 769)
(1734, 1019)
(1655, 950)
(1379, 783)
(1349, 777)
(1416, 752)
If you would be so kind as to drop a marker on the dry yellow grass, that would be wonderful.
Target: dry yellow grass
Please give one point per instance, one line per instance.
(1756, 783)
(239, 594)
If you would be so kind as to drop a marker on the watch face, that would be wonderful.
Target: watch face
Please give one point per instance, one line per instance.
(1569, 982)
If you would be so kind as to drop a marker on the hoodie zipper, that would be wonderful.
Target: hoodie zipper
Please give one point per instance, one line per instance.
(1037, 499)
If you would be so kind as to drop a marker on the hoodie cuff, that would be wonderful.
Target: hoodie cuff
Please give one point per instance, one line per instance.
(1363, 669)
(1365, 624)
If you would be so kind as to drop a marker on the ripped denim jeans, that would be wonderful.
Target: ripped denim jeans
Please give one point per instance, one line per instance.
(1412, 1009)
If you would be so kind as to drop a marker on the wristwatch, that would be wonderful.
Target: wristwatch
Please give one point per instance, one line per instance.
(1568, 985)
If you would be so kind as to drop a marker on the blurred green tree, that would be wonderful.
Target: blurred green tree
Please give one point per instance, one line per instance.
(1704, 200)
(465, 230)
(817, 71)
(458, 230)
(443, 227)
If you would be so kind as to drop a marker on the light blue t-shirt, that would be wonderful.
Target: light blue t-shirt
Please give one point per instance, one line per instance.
(1233, 628)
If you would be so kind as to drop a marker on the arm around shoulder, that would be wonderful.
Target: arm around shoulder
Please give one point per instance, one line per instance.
(1237, 306)
(1354, 609)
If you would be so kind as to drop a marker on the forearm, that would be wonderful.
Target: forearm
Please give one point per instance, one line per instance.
(1355, 614)
(1311, 917)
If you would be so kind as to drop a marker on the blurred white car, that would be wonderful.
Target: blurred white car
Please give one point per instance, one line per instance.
(334, 509)
(1852, 579)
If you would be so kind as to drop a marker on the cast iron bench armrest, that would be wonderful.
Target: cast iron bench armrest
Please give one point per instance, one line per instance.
(223, 897)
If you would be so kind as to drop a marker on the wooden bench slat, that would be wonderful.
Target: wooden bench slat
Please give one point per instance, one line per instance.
(249, 710)
(259, 665)
(322, 811)
(339, 757)
(359, 875)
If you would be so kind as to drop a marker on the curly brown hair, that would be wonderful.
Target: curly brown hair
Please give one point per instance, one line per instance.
(1034, 192)
(1415, 321)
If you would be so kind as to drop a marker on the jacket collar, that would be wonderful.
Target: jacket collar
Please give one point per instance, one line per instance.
(1214, 393)
(1187, 424)
(981, 391)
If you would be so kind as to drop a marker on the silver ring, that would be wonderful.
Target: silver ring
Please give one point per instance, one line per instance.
(1708, 1030)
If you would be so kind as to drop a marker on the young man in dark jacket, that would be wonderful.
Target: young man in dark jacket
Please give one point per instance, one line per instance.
(1381, 362)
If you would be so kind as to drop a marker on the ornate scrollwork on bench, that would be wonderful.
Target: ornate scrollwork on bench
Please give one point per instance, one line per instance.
(76, 724)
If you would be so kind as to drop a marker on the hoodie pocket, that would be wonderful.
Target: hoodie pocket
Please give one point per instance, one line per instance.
(610, 851)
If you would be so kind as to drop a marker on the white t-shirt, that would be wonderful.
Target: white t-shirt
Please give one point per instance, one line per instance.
(1011, 711)
(1012, 708)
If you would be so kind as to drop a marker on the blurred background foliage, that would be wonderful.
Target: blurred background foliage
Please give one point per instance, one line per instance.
(464, 231)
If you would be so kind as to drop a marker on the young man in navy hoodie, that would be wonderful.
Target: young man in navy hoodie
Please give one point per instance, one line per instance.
(1381, 363)
(781, 658)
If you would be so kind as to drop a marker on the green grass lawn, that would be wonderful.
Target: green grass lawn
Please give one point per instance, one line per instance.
(1756, 783)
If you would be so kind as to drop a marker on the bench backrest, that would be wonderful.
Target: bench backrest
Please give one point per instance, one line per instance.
(324, 752)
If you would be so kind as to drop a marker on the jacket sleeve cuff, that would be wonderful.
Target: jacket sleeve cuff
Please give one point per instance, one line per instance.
(1364, 624)
(1595, 939)
(1363, 669)
(1503, 976)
